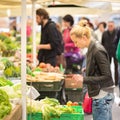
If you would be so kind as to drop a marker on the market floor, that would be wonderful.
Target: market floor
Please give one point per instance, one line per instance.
(116, 108)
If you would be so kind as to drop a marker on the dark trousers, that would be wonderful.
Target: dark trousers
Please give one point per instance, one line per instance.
(116, 69)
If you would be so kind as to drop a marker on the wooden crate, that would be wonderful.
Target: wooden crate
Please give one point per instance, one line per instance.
(71, 83)
(16, 114)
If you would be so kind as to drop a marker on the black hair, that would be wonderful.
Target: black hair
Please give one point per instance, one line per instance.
(103, 23)
(69, 18)
(42, 12)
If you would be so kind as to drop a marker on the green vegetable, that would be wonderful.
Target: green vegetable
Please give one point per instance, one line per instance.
(50, 101)
(11, 70)
(8, 45)
(13, 91)
(33, 106)
(50, 107)
(5, 106)
(2, 67)
(37, 69)
(64, 109)
(4, 82)
(29, 71)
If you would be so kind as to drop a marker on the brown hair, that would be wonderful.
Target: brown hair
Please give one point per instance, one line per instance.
(42, 12)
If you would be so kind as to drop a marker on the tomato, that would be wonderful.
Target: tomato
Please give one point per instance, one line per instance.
(42, 65)
(75, 104)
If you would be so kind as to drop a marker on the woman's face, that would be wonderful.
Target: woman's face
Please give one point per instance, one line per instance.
(65, 24)
(79, 42)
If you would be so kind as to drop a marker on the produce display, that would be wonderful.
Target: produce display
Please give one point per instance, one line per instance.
(2, 67)
(4, 82)
(44, 72)
(48, 68)
(8, 46)
(44, 76)
(12, 91)
(5, 106)
(10, 69)
(50, 107)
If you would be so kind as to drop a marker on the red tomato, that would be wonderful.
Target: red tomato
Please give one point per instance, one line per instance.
(75, 104)
(42, 65)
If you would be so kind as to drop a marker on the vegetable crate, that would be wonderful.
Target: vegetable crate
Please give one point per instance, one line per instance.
(47, 86)
(66, 116)
(71, 83)
(74, 116)
(55, 94)
(34, 116)
(74, 95)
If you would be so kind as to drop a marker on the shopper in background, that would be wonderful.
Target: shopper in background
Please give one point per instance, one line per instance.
(108, 41)
(71, 52)
(29, 30)
(90, 25)
(50, 41)
(100, 29)
(98, 75)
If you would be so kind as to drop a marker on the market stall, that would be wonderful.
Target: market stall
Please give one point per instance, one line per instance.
(49, 84)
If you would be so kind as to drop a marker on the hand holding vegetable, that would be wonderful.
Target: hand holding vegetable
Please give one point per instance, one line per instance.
(78, 78)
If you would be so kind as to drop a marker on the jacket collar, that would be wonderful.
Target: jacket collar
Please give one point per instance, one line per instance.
(49, 21)
(92, 43)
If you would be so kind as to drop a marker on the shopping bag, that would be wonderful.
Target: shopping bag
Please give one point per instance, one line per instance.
(32, 93)
(118, 51)
(87, 104)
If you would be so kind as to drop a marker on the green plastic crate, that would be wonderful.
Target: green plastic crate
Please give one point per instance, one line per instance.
(65, 116)
(38, 116)
(55, 119)
(34, 116)
(74, 116)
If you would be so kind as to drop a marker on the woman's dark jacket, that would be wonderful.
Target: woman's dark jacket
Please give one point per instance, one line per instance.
(98, 73)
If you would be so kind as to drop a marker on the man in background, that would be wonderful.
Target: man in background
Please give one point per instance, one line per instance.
(49, 38)
(108, 41)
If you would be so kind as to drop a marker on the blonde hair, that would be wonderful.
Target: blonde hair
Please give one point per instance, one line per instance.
(81, 30)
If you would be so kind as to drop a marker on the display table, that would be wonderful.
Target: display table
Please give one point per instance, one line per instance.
(53, 89)
(16, 114)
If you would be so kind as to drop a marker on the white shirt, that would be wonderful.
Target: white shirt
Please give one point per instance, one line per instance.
(99, 35)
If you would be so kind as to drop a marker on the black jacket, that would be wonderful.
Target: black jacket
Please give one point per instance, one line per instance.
(49, 35)
(98, 74)
(108, 41)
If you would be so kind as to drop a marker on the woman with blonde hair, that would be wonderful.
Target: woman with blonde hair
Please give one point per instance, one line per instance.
(98, 75)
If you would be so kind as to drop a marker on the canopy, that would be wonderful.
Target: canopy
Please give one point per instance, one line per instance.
(93, 7)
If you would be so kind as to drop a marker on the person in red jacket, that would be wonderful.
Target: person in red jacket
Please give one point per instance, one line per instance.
(71, 52)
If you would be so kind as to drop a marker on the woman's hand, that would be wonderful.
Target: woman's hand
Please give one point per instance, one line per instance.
(83, 70)
(78, 77)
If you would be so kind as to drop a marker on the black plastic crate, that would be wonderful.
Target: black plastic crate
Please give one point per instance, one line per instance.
(74, 95)
(47, 86)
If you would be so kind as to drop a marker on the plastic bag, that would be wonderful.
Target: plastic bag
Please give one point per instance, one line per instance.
(32, 93)
(87, 104)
